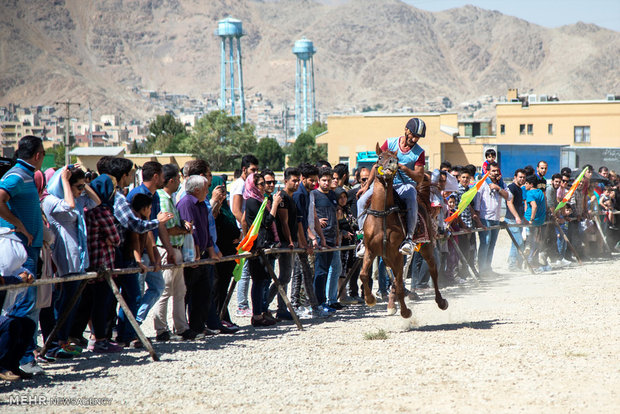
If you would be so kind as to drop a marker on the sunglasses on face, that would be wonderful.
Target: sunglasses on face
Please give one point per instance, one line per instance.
(270, 182)
(262, 183)
(364, 180)
(565, 181)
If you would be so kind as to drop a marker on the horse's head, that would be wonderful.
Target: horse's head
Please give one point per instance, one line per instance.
(387, 164)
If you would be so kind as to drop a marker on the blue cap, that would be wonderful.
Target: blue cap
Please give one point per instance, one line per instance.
(417, 127)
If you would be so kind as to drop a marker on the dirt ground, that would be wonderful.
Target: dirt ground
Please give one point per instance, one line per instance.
(545, 343)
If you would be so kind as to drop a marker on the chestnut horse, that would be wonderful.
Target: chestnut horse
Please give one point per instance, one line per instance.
(384, 231)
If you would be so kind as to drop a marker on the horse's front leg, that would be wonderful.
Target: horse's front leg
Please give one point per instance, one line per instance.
(365, 276)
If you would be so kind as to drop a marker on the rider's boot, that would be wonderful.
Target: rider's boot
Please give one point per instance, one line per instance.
(407, 246)
(360, 250)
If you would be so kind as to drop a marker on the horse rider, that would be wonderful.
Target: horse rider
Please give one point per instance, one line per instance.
(411, 162)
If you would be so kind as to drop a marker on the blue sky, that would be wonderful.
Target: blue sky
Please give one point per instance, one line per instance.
(549, 13)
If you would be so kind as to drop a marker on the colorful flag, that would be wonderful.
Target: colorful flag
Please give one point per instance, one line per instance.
(467, 198)
(248, 241)
(570, 193)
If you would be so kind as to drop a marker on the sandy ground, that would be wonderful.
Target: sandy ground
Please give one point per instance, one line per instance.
(515, 343)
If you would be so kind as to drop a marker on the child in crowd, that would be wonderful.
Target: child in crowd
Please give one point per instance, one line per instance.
(136, 243)
(490, 156)
(607, 206)
(456, 225)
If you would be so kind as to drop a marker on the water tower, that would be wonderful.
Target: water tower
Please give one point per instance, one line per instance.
(228, 30)
(304, 104)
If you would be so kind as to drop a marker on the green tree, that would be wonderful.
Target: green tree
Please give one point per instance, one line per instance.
(305, 149)
(59, 155)
(270, 154)
(221, 140)
(166, 134)
(317, 128)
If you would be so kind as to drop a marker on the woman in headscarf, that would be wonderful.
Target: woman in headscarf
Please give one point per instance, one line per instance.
(254, 195)
(64, 209)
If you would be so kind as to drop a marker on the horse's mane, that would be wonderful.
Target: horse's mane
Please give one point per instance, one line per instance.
(424, 193)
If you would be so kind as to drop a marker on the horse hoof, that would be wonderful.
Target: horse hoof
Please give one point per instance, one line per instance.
(391, 311)
(371, 300)
(405, 313)
(444, 305)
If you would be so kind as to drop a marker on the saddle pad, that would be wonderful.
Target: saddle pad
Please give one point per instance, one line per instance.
(421, 231)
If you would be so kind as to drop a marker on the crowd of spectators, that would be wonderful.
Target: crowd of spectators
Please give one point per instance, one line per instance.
(66, 222)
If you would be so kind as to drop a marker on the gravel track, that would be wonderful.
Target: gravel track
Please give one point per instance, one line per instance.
(515, 343)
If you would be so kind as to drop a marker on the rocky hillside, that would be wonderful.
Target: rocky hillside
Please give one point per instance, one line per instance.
(369, 52)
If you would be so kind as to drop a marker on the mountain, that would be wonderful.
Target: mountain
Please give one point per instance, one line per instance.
(368, 52)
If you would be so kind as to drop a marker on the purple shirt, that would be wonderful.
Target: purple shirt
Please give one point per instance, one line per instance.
(190, 209)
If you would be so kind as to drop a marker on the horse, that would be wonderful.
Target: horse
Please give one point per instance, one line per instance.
(384, 231)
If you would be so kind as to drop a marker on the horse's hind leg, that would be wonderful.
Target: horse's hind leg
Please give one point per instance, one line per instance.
(427, 253)
(365, 276)
(396, 263)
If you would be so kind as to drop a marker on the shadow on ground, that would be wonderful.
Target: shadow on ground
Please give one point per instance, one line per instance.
(486, 324)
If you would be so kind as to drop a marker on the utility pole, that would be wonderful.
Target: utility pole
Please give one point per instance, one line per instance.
(67, 120)
(90, 126)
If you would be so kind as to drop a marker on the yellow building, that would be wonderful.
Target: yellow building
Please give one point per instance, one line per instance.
(575, 123)
(563, 133)
(348, 135)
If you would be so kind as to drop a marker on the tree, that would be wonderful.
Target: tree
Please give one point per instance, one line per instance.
(165, 134)
(59, 155)
(305, 149)
(270, 154)
(316, 128)
(221, 140)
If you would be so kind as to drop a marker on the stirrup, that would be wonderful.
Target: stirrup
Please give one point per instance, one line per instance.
(360, 250)
(407, 247)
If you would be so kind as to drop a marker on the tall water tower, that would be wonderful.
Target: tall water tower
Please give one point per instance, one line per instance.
(304, 104)
(228, 30)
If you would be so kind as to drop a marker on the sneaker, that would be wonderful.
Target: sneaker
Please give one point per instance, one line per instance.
(79, 340)
(209, 332)
(244, 312)
(105, 347)
(226, 330)
(303, 312)
(137, 344)
(23, 374)
(230, 325)
(163, 337)
(7, 375)
(67, 352)
(45, 359)
(360, 250)
(358, 299)
(406, 248)
(382, 296)
(32, 368)
(327, 309)
(348, 300)
(260, 321)
(284, 315)
(566, 262)
(336, 305)
(319, 312)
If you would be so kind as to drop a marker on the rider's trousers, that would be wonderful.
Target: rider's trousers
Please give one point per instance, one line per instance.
(407, 192)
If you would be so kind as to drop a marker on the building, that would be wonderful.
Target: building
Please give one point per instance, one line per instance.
(563, 133)
(528, 129)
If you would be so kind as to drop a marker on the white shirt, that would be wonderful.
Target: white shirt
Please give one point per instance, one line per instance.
(488, 202)
(236, 188)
